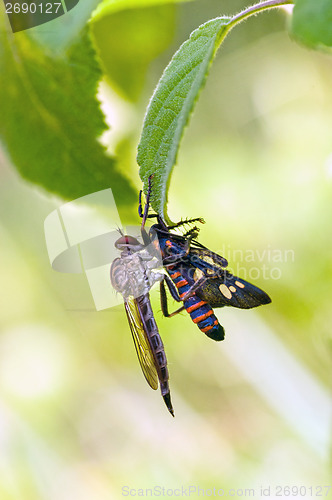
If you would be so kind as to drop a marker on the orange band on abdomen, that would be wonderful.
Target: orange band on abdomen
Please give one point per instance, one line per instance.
(196, 306)
(181, 283)
(175, 275)
(204, 316)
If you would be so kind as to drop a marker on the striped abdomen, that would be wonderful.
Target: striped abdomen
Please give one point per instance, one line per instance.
(200, 311)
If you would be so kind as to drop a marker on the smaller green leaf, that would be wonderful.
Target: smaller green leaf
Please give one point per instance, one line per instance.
(171, 105)
(312, 23)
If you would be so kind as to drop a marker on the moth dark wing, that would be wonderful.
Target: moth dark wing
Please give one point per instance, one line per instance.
(142, 345)
(197, 250)
(232, 291)
(201, 256)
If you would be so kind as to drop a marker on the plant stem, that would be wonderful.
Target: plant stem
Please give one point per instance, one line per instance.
(256, 9)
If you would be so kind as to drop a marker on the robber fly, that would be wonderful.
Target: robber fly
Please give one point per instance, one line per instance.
(133, 274)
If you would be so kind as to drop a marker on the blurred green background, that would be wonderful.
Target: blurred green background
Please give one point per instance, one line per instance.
(77, 420)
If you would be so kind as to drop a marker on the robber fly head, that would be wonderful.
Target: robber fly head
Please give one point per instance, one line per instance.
(128, 244)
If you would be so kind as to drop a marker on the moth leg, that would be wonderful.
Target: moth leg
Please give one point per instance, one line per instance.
(194, 288)
(188, 221)
(172, 288)
(175, 294)
(145, 214)
(147, 202)
(141, 211)
(173, 259)
(192, 233)
(164, 304)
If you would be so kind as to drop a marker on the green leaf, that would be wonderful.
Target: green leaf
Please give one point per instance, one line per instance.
(50, 118)
(107, 7)
(128, 36)
(171, 105)
(61, 32)
(312, 23)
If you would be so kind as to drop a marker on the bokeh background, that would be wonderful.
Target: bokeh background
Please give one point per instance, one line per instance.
(77, 420)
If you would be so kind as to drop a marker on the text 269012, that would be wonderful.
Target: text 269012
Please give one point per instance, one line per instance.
(32, 8)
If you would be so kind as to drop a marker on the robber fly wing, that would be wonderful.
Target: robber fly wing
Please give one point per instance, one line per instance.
(142, 345)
